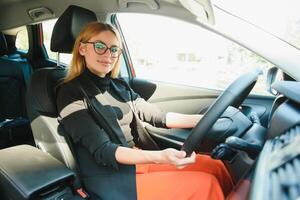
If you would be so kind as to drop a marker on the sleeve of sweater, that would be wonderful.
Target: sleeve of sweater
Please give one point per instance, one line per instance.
(148, 112)
(80, 125)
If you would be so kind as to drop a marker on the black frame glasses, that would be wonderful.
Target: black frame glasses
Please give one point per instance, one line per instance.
(114, 51)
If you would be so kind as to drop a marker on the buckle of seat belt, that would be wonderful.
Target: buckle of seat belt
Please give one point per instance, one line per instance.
(83, 194)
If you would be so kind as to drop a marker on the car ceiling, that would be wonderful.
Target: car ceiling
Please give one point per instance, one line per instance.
(15, 13)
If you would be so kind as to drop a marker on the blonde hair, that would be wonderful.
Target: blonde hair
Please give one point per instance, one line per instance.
(78, 62)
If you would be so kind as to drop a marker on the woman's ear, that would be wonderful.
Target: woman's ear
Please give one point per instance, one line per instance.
(82, 49)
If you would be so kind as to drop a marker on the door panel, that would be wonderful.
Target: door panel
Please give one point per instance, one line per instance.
(189, 100)
(174, 98)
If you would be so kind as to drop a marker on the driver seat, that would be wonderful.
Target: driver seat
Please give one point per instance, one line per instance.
(41, 94)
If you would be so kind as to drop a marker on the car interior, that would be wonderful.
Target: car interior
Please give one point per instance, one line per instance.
(256, 136)
(15, 74)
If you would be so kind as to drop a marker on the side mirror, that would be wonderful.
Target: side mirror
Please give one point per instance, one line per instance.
(271, 78)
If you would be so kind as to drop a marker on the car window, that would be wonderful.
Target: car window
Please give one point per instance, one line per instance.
(47, 31)
(282, 19)
(22, 40)
(174, 51)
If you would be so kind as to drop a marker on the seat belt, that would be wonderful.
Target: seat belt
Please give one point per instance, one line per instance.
(98, 117)
(145, 139)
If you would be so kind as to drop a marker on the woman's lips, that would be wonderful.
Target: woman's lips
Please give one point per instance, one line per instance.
(105, 63)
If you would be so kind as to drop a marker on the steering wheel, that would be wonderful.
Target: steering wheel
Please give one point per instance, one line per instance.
(234, 95)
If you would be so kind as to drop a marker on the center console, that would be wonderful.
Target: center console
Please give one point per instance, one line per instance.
(28, 173)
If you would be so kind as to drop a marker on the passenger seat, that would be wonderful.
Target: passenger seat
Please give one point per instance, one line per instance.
(15, 73)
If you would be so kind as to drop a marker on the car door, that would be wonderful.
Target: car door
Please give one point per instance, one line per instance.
(182, 67)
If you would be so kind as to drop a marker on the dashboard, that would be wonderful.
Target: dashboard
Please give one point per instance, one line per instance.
(277, 171)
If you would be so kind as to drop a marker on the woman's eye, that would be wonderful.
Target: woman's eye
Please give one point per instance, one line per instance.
(114, 49)
(100, 46)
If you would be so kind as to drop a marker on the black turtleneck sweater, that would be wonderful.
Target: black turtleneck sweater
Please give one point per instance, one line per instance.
(84, 131)
(121, 108)
(95, 148)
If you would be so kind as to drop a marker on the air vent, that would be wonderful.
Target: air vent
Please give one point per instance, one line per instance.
(285, 139)
(38, 14)
(277, 174)
(286, 180)
(285, 166)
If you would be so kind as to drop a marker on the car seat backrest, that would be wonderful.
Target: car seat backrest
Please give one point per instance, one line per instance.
(43, 114)
(41, 97)
(3, 45)
(14, 76)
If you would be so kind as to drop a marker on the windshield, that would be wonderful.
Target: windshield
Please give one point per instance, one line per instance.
(280, 18)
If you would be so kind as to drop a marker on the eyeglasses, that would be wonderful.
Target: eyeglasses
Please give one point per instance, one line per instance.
(101, 48)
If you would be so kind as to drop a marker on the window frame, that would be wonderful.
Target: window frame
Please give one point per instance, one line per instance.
(22, 51)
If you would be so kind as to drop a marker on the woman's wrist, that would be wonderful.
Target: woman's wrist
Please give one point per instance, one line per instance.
(126, 155)
(154, 157)
(163, 156)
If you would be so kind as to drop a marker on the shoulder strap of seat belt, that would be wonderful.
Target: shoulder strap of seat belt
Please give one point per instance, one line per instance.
(99, 119)
(145, 140)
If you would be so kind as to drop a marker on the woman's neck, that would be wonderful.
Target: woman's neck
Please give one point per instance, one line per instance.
(102, 83)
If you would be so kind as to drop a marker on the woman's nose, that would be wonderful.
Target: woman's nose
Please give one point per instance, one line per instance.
(107, 52)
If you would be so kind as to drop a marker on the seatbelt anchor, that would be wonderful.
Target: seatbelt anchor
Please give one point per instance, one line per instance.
(83, 194)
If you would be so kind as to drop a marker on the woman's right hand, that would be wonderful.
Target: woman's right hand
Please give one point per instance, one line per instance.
(171, 156)
(176, 158)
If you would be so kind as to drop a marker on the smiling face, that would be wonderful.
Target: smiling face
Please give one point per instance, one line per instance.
(100, 64)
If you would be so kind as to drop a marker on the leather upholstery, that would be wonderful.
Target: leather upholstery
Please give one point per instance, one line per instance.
(44, 92)
(3, 45)
(68, 27)
(14, 76)
(41, 98)
(42, 112)
(15, 164)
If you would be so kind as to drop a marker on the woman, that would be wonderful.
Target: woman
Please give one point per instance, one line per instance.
(115, 169)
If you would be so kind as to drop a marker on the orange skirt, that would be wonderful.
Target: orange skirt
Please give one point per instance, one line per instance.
(207, 179)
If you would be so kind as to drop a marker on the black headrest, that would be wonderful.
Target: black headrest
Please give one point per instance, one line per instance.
(68, 26)
(42, 90)
(3, 45)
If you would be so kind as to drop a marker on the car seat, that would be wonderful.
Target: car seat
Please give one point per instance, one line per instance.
(41, 96)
